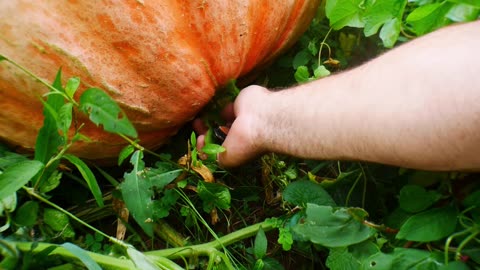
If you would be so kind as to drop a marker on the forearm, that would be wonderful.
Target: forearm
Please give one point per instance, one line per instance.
(415, 106)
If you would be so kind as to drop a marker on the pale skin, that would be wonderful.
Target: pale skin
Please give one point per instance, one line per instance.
(416, 106)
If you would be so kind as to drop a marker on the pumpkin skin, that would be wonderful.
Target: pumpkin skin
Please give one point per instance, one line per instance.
(160, 60)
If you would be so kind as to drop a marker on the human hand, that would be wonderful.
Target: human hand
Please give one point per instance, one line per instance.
(244, 140)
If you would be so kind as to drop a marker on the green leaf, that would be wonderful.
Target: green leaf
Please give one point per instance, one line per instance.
(303, 192)
(137, 193)
(320, 72)
(339, 259)
(302, 74)
(48, 139)
(16, 176)
(82, 255)
(390, 32)
(343, 13)
(8, 204)
(72, 86)
(213, 149)
(301, 59)
(65, 118)
(260, 245)
(429, 17)
(51, 182)
(430, 225)
(160, 180)
(380, 12)
(27, 214)
(8, 159)
(2, 57)
(125, 153)
(56, 219)
(103, 110)
(162, 206)
(285, 238)
(415, 198)
(404, 259)
(331, 227)
(463, 13)
(213, 195)
(140, 260)
(455, 265)
(89, 177)
(259, 265)
(193, 140)
(473, 3)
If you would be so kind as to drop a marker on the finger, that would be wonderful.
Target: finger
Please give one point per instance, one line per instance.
(199, 126)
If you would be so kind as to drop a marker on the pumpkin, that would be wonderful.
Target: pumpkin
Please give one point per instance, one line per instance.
(161, 60)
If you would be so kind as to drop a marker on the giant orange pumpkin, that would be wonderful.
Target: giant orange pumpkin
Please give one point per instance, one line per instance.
(161, 60)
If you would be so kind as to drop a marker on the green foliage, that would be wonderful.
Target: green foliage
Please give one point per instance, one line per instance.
(82, 256)
(303, 192)
(17, 175)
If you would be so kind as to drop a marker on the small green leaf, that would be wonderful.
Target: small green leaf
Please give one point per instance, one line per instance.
(343, 13)
(213, 149)
(8, 204)
(303, 192)
(162, 206)
(137, 193)
(51, 182)
(381, 12)
(72, 86)
(320, 72)
(260, 245)
(455, 265)
(27, 214)
(57, 220)
(16, 176)
(431, 225)
(302, 74)
(2, 57)
(125, 153)
(88, 176)
(390, 32)
(301, 59)
(193, 140)
(285, 238)
(82, 255)
(65, 118)
(103, 110)
(213, 195)
(415, 198)
(331, 227)
(259, 265)
(340, 258)
(473, 3)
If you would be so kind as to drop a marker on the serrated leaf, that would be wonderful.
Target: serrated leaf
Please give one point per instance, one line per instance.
(16, 176)
(125, 153)
(65, 118)
(303, 192)
(137, 193)
(89, 177)
(162, 206)
(82, 255)
(431, 225)
(302, 74)
(260, 245)
(160, 180)
(103, 110)
(331, 227)
(415, 198)
(343, 13)
(213, 149)
(340, 258)
(390, 32)
(72, 86)
(429, 17)
(27, 214)
(213, 195)
(285, 238)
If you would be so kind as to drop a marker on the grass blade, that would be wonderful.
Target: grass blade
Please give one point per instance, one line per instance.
(88, 176)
